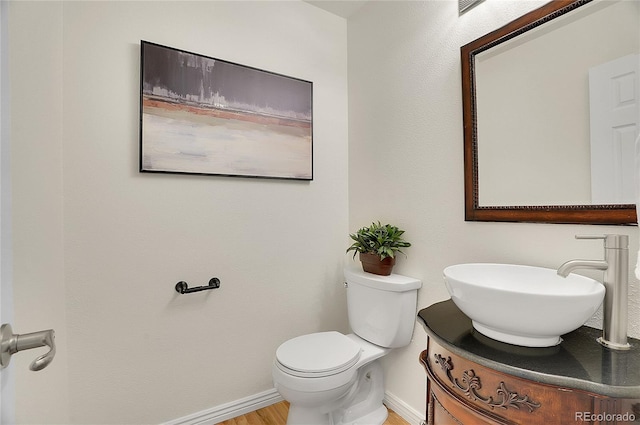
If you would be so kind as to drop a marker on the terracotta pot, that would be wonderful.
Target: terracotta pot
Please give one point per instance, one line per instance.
(372, 263)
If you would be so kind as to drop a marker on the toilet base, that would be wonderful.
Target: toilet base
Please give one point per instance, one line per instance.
(306, 416)
(364, 405)
(360, 405)
(311, 417)
(377, 417)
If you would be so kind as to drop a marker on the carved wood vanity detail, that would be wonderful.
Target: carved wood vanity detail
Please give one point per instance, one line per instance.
(473, 380)
(472, 383)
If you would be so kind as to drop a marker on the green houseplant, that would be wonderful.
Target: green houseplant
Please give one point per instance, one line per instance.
(378, 245)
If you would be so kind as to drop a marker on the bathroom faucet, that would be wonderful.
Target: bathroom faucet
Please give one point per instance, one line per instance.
(616, 282)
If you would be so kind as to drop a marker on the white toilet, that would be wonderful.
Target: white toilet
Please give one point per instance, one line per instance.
(334, 379)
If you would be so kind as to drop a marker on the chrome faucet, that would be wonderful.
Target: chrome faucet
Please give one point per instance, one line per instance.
(616, 283)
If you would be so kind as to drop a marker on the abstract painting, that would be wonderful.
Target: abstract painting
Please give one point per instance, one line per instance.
(201, 115)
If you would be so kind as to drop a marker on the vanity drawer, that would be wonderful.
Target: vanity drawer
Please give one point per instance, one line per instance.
(499, 397)
(444, 408)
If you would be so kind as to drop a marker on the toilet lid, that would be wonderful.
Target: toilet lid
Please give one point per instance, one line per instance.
(318, 354)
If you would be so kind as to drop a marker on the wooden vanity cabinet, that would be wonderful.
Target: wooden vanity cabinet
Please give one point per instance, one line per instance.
(461, 391)
(474, 380)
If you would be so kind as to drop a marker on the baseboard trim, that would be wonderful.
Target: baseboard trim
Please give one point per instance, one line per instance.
(245, 405)
(230, 410)
(405, 411)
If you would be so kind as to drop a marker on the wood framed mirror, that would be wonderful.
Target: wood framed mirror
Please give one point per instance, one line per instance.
(545, 140)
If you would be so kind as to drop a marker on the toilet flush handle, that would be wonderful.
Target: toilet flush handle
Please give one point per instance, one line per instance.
(11, 343)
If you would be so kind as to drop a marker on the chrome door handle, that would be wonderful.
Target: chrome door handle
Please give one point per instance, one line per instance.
(11, 343)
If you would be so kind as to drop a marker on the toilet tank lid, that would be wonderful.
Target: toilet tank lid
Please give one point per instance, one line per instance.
(393, 282)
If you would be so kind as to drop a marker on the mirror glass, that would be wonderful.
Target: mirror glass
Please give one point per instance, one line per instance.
(552, 115)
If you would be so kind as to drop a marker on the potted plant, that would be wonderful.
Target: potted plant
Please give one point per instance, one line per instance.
(378, 245)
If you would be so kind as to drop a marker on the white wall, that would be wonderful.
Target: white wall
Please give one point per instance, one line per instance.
(406, 158)
(99, 246)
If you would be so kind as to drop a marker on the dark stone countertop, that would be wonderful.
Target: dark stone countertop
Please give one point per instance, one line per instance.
(578, 362)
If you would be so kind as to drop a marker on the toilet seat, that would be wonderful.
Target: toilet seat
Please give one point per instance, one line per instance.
(318, 355)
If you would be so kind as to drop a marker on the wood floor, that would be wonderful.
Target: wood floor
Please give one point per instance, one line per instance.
(276, 414)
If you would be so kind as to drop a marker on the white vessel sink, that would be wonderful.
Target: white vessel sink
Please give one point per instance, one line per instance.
(522, 305)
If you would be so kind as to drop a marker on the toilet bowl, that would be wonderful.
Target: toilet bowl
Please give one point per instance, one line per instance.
(330, 378)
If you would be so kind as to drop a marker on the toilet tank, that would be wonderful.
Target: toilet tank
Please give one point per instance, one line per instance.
(382, 309)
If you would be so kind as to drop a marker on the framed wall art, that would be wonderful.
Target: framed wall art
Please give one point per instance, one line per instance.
(201, 115)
